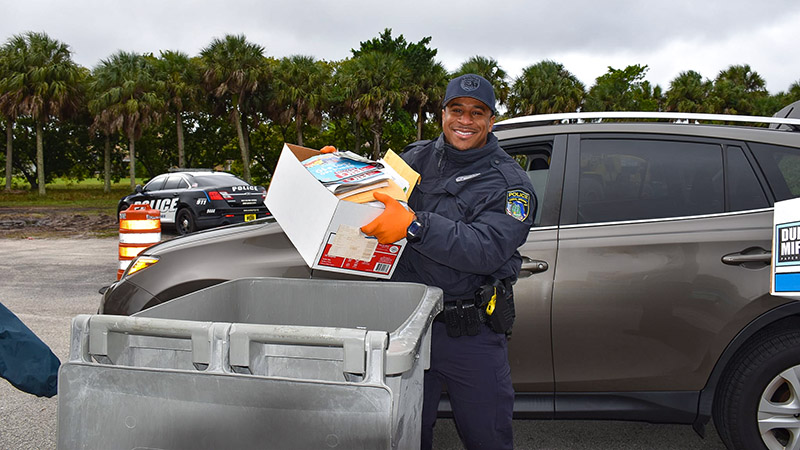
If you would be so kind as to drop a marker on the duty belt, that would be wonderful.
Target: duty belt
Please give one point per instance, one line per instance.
(462, 318)
(493, 305)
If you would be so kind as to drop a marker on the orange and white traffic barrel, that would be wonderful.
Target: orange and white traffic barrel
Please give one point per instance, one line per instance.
(139, 228)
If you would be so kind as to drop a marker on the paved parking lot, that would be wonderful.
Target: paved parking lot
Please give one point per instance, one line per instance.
(46, 282)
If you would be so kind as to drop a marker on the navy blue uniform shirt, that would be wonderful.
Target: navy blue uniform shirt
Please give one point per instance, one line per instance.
(25, 361)
(476, 207)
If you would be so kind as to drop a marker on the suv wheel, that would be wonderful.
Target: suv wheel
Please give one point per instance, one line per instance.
(758, 401)
(184, 222)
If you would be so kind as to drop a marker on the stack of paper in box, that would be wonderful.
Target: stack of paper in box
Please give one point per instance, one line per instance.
(325, 228)
(354, 178)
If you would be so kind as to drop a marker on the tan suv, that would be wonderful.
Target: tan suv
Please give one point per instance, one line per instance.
(644, 293)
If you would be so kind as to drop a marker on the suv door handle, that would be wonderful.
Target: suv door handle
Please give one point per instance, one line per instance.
(533, 266)
(750, 255)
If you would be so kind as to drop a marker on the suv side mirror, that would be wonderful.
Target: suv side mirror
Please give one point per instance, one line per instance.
(139, 189)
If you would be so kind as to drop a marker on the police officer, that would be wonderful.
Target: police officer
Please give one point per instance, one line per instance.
(471, 211)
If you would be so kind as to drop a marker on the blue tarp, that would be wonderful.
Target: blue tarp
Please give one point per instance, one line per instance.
(26, 361)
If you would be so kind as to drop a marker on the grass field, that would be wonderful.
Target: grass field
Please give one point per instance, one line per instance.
(64, 193)
(69, 209)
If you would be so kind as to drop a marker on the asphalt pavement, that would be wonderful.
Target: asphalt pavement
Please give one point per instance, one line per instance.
(47, 282)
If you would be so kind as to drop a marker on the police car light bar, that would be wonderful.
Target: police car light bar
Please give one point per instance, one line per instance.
(185, 169)
(553, 119)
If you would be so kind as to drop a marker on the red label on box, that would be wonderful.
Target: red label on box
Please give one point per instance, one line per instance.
(383, 259)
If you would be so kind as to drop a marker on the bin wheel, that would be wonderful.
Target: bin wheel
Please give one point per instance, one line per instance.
(184, 222)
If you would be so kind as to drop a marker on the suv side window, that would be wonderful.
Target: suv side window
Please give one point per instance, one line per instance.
(781, 166)
(744, 191)
(631, 179)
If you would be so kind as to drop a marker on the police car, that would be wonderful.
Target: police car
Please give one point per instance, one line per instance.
(198, 199)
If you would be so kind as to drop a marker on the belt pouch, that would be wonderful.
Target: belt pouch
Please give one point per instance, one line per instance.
(451, 319)
(472, 320)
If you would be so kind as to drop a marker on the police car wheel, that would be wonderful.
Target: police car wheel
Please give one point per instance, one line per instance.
(121, 208)
(757, 405)
(184, 222)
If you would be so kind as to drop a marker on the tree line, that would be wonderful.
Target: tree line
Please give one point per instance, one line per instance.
(233, 106)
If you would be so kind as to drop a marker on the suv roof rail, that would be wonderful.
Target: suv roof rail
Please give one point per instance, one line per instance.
(553, 119)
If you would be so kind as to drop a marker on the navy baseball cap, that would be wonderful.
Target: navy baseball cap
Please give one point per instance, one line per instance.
(473, 86)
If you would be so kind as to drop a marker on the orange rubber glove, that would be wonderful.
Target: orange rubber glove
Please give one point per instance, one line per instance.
(391, 225)
(327, 149)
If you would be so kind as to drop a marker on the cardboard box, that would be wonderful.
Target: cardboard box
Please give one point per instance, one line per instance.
(786, 249)
(323, 228)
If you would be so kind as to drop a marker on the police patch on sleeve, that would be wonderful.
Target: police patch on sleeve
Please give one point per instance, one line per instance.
(518, 204)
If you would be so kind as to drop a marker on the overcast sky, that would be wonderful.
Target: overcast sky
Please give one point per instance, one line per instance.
(586, 36)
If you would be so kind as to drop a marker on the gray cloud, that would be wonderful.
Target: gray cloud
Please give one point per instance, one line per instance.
(585, 35)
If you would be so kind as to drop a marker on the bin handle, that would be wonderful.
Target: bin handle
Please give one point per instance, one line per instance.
(351, 340)
(79, 339)
(411, 339)
(101, 325)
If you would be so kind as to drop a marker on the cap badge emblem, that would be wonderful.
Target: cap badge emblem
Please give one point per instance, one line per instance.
(470, 84)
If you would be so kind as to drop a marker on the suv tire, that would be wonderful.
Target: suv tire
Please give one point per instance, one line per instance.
(757, 404)
(184, 222)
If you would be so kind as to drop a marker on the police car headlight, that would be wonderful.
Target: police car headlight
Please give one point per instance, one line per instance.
(140, 263)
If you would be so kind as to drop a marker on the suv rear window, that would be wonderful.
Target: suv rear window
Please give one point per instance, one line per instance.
(218, 180)
(781, 166)
(744, 190)
(631, 179)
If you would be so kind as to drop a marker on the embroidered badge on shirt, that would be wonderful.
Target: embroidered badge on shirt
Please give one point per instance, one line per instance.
(518, 204)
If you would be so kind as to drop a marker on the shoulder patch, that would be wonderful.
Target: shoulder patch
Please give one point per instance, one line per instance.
(518, 204)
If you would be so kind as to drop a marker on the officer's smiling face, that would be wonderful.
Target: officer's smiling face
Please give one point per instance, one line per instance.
(466, 122)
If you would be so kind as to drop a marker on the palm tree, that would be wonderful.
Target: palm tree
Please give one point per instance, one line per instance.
(623, 90)
(45, 83)
(688, 92)
(744, 76)
(487, 68)
(340, 112)
(373, 82)
(426, 90)
(737, 90)
(300, 83)
(126, 97)
(233, 69)
(9, 109)
(545, 88)
(9, 151)
(181, 77)
(107, 131)
(426, 78)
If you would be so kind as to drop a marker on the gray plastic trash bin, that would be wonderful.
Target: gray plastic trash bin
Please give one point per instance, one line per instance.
(253, 363)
